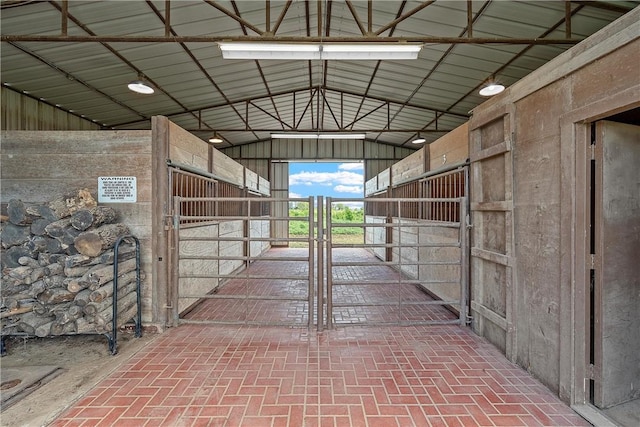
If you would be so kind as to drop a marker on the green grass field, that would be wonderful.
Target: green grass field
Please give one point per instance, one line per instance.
(345, 235)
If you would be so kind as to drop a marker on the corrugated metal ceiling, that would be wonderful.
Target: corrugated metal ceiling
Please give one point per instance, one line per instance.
(173, 44)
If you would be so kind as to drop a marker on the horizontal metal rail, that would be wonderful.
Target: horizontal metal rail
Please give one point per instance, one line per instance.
(386, 303)
(244, 239)
(242, 277)
(392, 245)
(417, 224)
(243, 258)
(391, 263)
(408, 281)
(244, 297)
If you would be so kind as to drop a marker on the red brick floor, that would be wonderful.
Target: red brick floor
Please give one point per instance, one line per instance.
(351, 376)
(200, 375)
(382, 300)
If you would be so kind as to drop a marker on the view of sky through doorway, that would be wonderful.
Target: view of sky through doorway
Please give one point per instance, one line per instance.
(328, 179)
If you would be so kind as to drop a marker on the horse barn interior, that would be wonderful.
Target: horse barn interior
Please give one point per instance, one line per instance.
(496, 281)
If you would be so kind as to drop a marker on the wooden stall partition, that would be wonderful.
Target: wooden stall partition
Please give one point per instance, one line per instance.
(449, 149)
(409, 168)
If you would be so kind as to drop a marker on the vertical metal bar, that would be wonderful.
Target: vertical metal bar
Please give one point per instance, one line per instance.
(319, 15)
(469, 19)
(174, 285)
(399, 246)
(293, 110)
(341, 112)
(440, 195)
(267, 17)
(65, 17)
(167, 18)
(329, 268)
(138, 292)
(238, 208)
(114, 314)
(450, 205)
(320, 286)
(311, 254)
(247, 243)
(567, 19)
(464, 260)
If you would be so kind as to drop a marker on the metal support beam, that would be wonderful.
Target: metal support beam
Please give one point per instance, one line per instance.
(285, 39)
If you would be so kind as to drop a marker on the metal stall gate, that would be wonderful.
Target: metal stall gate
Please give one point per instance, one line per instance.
(408, 268)
(221, 245)
(412, 266)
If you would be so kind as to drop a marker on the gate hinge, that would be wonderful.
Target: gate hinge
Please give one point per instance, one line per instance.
(592, 261)
(592, 149)
(591, 372)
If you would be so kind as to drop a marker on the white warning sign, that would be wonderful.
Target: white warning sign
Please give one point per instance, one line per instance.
(117, 189)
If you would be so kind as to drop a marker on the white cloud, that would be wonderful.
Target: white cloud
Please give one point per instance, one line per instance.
(355, 189)
(351, 166)
(326, 178)
(294, 195)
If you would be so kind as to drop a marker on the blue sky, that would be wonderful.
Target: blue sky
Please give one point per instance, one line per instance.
(326, 179)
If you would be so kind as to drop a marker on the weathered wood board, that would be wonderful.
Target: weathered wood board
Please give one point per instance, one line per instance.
(408, 168)
(185, 148)
(450, 149)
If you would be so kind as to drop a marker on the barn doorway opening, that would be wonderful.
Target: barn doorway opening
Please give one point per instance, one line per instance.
(614, 289)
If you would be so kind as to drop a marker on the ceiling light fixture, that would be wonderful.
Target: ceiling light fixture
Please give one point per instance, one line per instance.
(419, 140)
(141, 86)
(319, 51)
(490, 89)
(316, 135)
(215, 139)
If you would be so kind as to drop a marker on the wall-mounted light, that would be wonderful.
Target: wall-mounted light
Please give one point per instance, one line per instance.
(319, 51)
(419, 140)
(215, 139)
(490, 89)
(141, 86)
(317, 135)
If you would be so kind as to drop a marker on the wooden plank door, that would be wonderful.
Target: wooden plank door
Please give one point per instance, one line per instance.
(617, 264)
(491, 197)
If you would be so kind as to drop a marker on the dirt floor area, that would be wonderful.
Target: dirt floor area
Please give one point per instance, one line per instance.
(41, 377)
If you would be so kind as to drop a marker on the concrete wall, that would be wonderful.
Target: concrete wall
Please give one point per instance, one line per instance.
(37, 166)
(529, 154)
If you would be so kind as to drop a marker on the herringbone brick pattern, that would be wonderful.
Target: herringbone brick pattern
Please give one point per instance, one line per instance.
(355, 376)
(197, 375)
(386, 301)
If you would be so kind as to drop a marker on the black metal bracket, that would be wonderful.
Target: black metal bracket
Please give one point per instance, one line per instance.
(112, 338)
